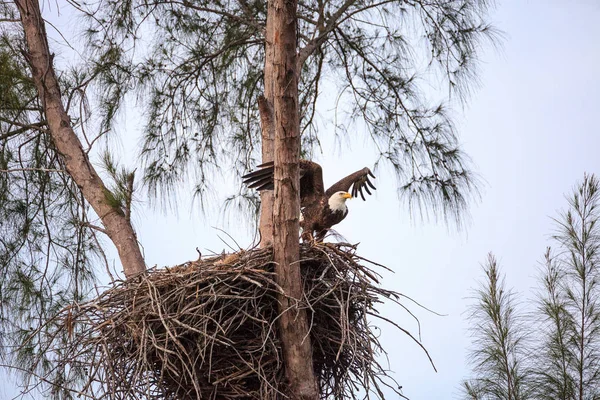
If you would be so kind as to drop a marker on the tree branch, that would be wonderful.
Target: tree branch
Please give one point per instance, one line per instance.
(23, 128)
(31, 169)
(95, 227)
(77, 164)
(218, 11)
(331, 24)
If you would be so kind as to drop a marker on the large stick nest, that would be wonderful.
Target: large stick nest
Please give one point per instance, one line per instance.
(208, 329)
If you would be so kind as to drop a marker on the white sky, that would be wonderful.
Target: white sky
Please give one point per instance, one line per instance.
(531, 130)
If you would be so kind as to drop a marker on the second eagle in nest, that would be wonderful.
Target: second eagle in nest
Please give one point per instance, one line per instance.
(320, 209)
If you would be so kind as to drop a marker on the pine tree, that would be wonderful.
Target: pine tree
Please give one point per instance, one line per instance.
(498, 357)
(200, 66)
(569, 358)
(561, 359)
(200, 77)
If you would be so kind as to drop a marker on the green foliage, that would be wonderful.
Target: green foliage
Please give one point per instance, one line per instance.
(555, 379)
(562, 359)
(499, 336)
(18, 95)
(197, 66)
(120, 195)
(15, 86)
(569, 304)
(46, 249)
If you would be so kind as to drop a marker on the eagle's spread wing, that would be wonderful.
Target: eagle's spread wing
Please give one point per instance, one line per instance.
(311, 179)
(359, 180)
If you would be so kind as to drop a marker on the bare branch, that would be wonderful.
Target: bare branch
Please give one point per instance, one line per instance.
(95, 227)
(32, 169)
(331, 24)
(23, 128)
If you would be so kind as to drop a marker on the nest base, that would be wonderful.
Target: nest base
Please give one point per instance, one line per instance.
(207, 329)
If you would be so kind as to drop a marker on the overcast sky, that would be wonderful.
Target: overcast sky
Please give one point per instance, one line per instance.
(531, 131)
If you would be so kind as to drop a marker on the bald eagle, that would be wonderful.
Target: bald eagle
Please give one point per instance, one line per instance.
(320, 209)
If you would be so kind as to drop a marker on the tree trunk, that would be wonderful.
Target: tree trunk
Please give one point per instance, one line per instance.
(77, 164)
(293, 323)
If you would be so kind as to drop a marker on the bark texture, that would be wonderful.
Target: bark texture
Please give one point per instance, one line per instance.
(77, 164)
(293, 323)
(267, 122)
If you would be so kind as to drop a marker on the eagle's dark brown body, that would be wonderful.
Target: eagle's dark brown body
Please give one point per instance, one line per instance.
(318, 218)
(317, 214)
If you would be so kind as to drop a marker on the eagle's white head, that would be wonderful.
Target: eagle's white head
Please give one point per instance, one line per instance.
(337, 201)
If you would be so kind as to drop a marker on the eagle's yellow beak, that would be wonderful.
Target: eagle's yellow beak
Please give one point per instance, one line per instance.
(347, 196)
